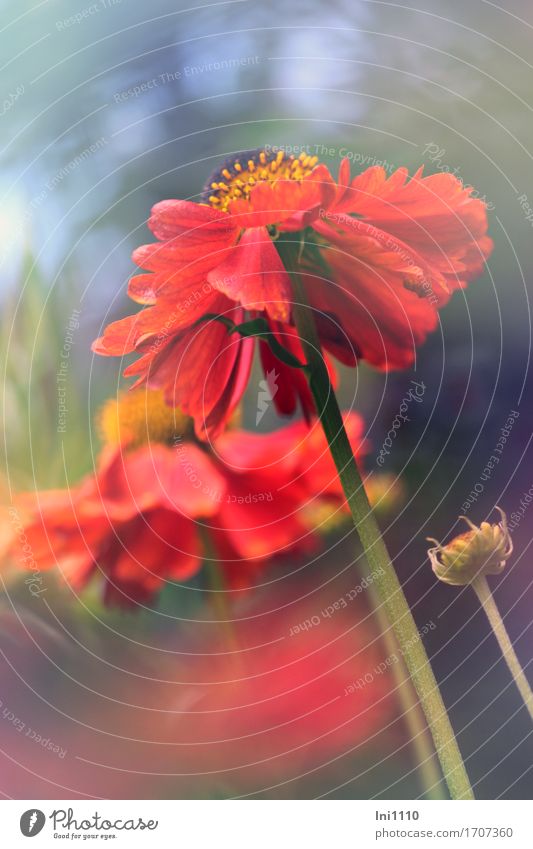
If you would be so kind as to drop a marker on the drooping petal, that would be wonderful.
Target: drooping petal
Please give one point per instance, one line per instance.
(293, 456)
(398, 249)
(288, 386)
(156, 475)
(436, 216)
(381, 320)
(276, 454)
(61, 535)
(184, 258)
(148, 551)
(254, 276)
(154, 327)
(228, 401)
(203, 371)
(171, 218)
(360, 238)
(271, 478)
(260, 522)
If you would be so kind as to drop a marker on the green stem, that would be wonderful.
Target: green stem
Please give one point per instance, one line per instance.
(482, 590)
(215, 580)
(385, 579)
(430, 774)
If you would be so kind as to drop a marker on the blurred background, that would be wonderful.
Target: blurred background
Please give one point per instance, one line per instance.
(109, 107)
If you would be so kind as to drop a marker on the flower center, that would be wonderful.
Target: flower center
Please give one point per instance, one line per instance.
(140, 417)
(237, 177)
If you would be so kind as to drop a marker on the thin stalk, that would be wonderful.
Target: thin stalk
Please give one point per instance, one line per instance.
(483, 592)
(217, 589)
(412, 715)
(385, 580)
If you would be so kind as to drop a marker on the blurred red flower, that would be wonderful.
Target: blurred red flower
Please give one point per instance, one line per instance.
(286, 709)
(142, 518)
(297, 689)
(378, 255)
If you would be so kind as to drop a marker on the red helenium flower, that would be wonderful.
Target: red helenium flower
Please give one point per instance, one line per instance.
(287, 702)
(214, 717)
(141, 518)
(378, 255)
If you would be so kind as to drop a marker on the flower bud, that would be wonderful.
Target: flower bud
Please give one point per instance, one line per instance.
(483, 550)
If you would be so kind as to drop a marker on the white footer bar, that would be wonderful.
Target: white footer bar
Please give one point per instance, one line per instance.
(254, 824)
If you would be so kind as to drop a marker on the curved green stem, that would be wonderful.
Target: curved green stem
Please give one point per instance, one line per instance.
(482, 590)
(386, 582)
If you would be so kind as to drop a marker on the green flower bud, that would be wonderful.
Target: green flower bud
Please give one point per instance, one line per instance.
(483, 550)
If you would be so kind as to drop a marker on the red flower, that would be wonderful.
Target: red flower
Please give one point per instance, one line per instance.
(140, 520)
(291, 698)
(281, 709)
(378, 255)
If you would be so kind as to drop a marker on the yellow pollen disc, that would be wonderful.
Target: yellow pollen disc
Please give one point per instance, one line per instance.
(260, 166)
(140, 417)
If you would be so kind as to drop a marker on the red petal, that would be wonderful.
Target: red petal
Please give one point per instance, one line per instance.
(259, 520)
(217, 419)
(183, 255)
(153, 328)
(382, 320)
(436, 216)
(172, 218)
(204, 370)
(254, 275)
(148, 551)
(290, 384)
(180, 478)
(294, 456)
